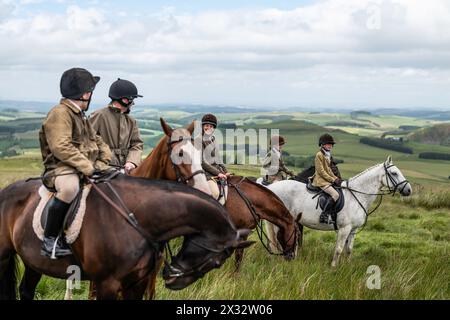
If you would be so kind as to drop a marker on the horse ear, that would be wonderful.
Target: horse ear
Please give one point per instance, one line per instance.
(191, 127)
(166, 128)
(389, 160)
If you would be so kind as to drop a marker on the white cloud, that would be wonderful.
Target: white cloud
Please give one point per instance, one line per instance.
(304, 48)
(6, 8)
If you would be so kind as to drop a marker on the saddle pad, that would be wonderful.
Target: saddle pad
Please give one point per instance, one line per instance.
(73, 229)
(339, 205)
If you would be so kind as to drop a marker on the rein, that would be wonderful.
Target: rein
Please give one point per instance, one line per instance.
(258, 220)
(131, 219)
(392, 191)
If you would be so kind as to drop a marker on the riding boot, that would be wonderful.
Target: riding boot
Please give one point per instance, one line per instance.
(326, 215)
(52, 245)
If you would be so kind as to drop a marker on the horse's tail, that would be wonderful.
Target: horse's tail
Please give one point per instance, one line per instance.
(8, 279)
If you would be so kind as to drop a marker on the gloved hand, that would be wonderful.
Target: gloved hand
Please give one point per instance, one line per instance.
(337, 182)
(101, 166)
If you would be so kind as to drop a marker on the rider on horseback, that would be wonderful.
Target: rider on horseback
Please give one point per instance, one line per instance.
(273, 162)
(117, 128)
(69, 146)
(326, 177)
(211, 161)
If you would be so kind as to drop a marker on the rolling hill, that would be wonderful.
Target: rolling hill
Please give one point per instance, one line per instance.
(438, 134)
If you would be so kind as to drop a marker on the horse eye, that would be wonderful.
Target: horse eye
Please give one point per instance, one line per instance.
(180, 154)
(394, 173)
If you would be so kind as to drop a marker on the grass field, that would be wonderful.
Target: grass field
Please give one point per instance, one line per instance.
(409, 239)
(410, 244)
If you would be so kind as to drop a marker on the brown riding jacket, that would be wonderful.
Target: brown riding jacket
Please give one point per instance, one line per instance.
(324, 175)
(120, 132)
(211, 161)
(70, 144)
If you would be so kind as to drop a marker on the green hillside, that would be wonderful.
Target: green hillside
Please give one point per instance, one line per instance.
(438, 134)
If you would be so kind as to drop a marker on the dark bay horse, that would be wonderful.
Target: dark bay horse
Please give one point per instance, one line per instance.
(109, 251)
(162, 163)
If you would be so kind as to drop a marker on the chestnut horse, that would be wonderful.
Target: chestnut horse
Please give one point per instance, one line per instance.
(110, 251)
(175, 158)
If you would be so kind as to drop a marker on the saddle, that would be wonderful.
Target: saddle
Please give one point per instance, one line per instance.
(323, 197)
(75, 214)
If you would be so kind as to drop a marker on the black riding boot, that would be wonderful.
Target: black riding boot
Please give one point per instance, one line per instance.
(57, 210)
(326, 215)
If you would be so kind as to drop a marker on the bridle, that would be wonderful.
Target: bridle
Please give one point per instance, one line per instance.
(390, 178)
(179, 176)
(258, 221)
(178, 271)
(391, 191)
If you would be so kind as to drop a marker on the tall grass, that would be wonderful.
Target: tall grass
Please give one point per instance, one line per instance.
(411, 248)
(429, 198)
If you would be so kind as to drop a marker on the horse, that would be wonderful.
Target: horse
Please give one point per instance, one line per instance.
(359, 192)
(114, 253)
(160, 163)
(249, 202)
(244, 214)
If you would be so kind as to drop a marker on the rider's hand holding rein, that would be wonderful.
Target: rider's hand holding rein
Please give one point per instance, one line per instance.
(129, 166)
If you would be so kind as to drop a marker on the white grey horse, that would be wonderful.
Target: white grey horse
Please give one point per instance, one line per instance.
(359, 191)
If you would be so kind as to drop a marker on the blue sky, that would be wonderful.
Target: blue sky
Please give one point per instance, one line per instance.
(325, 53)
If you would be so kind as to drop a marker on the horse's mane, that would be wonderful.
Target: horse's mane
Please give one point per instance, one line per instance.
(173, 186)
(365, 171)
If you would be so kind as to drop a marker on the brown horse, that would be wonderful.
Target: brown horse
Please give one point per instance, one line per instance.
(174, 158)
(249, 202)
(245, 196)
(112, 253)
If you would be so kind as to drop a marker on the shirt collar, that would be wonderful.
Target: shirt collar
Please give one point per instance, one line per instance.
(72, 105)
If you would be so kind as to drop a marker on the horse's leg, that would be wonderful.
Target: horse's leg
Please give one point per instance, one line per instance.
(29, 283)
(137, 291)
(151, 286)
(107, 289)
(270, 229)
(342, 236)
(92, 295)
(238, 256)
(300, 235)
(349, 244)
(8, 275)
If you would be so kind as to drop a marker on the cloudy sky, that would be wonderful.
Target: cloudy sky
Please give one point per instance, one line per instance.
(307, 53)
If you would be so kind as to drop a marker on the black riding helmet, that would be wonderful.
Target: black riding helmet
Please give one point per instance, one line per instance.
(77, 81)
(209, 119)
(326, 139)
(123, 89)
